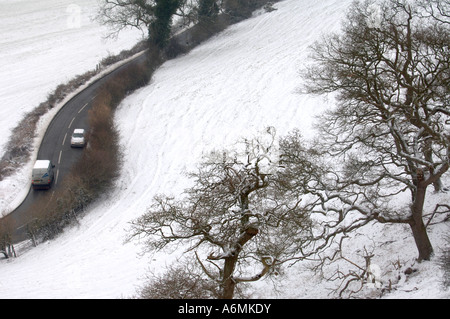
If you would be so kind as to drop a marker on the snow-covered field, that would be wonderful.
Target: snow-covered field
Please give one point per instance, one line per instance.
(230, 87)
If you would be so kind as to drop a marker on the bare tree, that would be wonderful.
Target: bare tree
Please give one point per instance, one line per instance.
(119, 15)
(389, 132)
(154, 17)
(233, 218)
(183, 280)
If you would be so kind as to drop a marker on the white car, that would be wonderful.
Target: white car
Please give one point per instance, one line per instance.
(78, 138)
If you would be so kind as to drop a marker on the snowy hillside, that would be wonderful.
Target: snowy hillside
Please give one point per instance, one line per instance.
(230, 87)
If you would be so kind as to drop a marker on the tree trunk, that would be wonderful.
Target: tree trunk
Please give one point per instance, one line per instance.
(228, 283)
(418, 227)
(428, 152)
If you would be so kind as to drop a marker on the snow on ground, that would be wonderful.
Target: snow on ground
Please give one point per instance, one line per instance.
(230, 87)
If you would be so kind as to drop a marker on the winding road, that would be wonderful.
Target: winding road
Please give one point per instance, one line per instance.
(55, 145)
